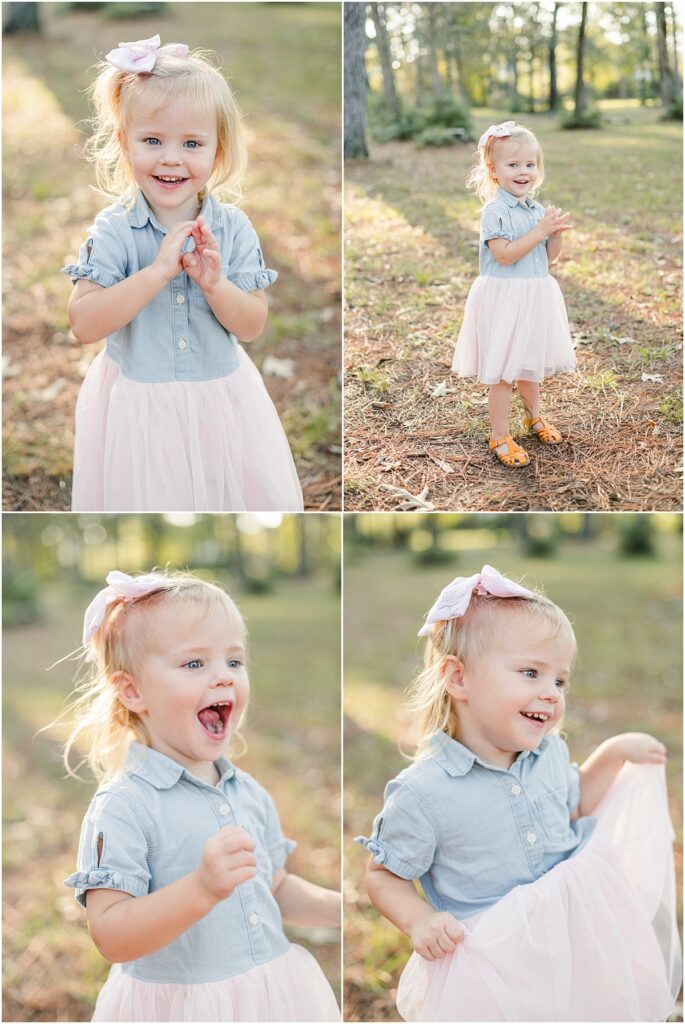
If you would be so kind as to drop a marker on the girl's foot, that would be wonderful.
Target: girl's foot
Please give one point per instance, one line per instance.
(508, 452)
(545, 431)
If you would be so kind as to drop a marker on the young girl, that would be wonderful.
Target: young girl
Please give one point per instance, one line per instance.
(550, 889)
(515, 326)
(173, 414)
(181, 860)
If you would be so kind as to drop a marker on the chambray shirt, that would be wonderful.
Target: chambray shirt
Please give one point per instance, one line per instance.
(155, 818)
(176, 337)
(505, 216)
(471, 832)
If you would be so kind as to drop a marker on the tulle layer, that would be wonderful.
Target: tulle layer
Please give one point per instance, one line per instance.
(290, 988)
(595, 939)
(184, 446)
(514, 330)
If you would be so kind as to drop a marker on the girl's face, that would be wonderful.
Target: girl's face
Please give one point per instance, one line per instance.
(515, 166)
(172, 152)
(511, 694)
(190, 685)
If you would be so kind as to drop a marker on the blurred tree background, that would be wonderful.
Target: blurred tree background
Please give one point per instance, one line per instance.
(429, 63)
(618, 577)
(284, 573)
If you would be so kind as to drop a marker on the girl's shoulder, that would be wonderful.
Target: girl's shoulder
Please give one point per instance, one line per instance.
(228, 215)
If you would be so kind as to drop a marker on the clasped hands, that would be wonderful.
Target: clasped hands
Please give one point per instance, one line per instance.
(555, 221)
(203, 265)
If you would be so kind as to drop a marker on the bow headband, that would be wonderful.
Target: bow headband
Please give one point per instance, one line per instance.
(120, 586)
(455, 598)
(141, 55)
(496, 131)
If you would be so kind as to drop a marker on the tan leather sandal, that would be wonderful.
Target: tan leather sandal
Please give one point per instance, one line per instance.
(547, 433)
(514, 456)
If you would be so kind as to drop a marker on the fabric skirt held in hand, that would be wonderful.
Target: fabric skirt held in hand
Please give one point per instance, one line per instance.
(290, 988)
(595, 939)
(183, 446)
(514, 329)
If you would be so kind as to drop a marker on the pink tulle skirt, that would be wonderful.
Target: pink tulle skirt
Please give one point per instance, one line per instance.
(514, 330)
(184, 446)
(595, 939)
(290, 988)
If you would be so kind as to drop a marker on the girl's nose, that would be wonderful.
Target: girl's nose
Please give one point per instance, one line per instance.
(551, 692)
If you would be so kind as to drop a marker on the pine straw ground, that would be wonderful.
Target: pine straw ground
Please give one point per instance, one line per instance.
(411, 253)
(292, 195)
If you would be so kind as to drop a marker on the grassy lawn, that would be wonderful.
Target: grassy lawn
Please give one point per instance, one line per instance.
(628, 619)
(411, 254)
(52, 970)
(272, 54)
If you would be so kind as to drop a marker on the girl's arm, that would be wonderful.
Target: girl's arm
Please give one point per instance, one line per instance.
(304, 904)
(433, 934)
(125, 927)
(506, 252)
(603, 765)
(553, 248)
(96, 311)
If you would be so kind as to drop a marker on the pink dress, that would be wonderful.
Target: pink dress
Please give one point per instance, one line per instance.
(594, 939)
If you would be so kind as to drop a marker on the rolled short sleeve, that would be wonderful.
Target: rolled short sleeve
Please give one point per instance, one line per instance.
(246, 268)
(495, 223)
(403, 838)
(102, 257)
(122, 861)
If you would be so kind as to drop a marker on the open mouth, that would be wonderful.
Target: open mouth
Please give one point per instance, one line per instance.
(214, 718)
(538, 718)
(168, 179)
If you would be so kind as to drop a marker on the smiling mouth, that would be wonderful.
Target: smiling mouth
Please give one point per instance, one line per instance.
(214, 718)
(538, 717)
(167, 179)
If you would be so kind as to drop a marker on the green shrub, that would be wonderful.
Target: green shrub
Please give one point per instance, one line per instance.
(674, 112)
(19, 595)
(435, 135)
(589, 118)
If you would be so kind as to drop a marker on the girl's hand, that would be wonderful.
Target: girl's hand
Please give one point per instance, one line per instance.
(228, 860)
(437, 935)
(640, 748)
(168, 260)
(555, 222)
(203, 265)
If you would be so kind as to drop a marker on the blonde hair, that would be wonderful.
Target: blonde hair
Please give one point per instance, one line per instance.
(99, 718)
(465, 638)
(480, 177)
(114, 94)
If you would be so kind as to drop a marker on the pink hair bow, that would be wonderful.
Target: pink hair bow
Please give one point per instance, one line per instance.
(496, 131)
(120, 585)
(455, 598)
(141, 55)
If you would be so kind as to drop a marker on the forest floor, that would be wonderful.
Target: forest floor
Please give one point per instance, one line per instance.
(627, 616)
(292, 195)
(51, 970)
(411, 254)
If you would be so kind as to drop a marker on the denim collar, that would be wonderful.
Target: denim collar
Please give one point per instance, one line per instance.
(163, 772)
(514, 200)
(457, 760)
(140, 213)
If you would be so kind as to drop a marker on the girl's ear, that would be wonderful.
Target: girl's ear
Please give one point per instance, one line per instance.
(128, 692)
(453, 675)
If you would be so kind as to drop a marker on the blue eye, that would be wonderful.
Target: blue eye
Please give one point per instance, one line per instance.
(193, 663)
(152, 140)
(193, 144)
(561, 683)
(234, 663)
(531, 673)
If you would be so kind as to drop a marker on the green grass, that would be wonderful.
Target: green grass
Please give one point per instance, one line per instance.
(627, 615)
(52, 971)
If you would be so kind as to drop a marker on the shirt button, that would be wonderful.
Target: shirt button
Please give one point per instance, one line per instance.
(254, 918)
(224, 809)
(516, 790)
(180, 299)
(532, 838)
(182, 343)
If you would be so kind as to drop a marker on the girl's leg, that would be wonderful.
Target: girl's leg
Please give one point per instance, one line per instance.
(499, 400)
(529, 391)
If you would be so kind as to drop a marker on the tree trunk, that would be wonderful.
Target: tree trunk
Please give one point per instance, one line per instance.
(21, 17)
(355, 77)
(645, 57)
(553, 87)
(392, 103)
(579, 98)
(665, 76)
(436, 81)
(677, 84)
